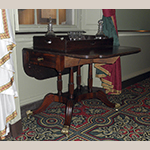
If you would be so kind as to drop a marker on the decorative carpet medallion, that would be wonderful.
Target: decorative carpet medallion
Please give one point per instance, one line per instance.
(93, 121)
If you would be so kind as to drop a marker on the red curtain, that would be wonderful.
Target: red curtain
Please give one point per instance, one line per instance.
(110, 74)
(111, 13)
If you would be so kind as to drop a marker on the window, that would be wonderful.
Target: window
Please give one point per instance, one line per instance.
(37, 19)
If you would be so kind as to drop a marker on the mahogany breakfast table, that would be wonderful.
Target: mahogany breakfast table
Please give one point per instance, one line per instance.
(60, 60)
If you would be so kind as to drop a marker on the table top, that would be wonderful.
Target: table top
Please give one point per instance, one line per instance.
(103, 52)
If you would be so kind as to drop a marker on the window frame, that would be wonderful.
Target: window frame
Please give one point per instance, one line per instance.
(43, 28)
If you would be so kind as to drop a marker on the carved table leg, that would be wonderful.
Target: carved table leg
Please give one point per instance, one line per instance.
(90, 78)
(99, 94)
(68, 117)
(102, 96)
(49, 98)
(78, 78)
(69, 106)
(59, 83)
(71, 84)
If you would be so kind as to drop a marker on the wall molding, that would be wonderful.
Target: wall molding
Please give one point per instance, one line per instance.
(132, 75)
(133, 33)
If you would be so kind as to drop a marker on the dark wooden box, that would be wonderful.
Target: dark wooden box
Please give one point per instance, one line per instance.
(62, 43)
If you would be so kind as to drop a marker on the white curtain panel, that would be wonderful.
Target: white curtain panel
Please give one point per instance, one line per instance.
(8, 91)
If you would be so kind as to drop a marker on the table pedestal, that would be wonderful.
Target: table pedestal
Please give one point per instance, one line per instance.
(73, 96)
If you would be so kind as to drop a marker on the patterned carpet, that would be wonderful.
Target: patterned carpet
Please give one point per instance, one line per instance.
(93, 121)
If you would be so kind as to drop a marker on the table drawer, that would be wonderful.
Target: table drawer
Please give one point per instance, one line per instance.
(42, 59)
(43, 66)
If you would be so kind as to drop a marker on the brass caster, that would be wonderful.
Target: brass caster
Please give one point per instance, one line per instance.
(117, 105)
(29, 112)
(65, 130)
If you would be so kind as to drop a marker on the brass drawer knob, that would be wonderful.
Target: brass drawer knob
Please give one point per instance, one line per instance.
(40, 59)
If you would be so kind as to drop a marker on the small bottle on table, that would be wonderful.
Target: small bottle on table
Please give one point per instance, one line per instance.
(50, 32)
(100, 33)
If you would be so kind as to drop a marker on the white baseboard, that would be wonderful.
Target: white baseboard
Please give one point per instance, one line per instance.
(129, 76)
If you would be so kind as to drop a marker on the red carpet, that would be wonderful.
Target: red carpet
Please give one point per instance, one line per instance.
(93, 121)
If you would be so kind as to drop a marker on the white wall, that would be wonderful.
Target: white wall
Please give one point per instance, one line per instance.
(135, 64)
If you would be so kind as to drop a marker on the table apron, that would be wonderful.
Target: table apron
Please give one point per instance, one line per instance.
(71, 62)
